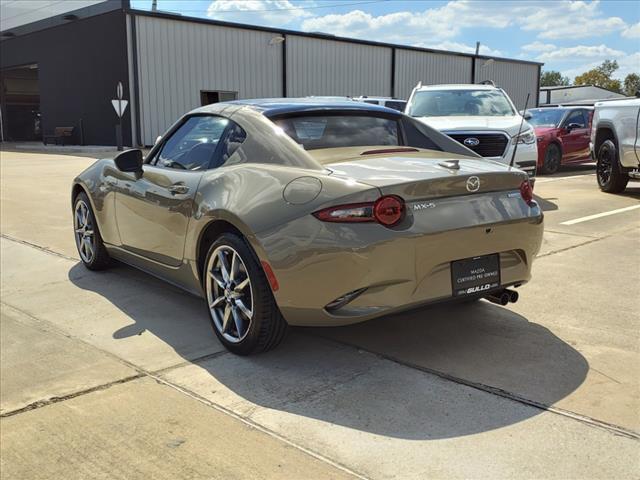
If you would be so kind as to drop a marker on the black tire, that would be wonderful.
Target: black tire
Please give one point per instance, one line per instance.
(552, 159)
(267, 328)
(99, 259)
(610, 178)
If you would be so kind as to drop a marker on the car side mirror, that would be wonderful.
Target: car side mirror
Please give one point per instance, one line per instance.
(573, 126)
(129, 161)
(527, 116)
(158, 138)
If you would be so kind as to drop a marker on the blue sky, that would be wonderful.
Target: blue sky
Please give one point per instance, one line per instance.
(569, 36)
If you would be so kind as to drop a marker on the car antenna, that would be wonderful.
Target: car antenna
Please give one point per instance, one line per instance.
(515, 148)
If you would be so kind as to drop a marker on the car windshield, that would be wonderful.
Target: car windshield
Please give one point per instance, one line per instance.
(545, 117)
(333, 131)
(445, 103)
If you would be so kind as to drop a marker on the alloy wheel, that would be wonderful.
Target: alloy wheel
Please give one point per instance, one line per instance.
(604, 166)
(229, 293)
(554, 161)
(84, 231)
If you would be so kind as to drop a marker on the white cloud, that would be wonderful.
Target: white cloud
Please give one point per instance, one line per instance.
(627, 63)
(568, 19)
(407, 27)
(538, 47)
(579, 51)
(267, 12)
(632, 32)
(550, 20)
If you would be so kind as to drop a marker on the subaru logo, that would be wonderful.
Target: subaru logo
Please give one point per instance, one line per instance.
(473, 184)
(471, 142)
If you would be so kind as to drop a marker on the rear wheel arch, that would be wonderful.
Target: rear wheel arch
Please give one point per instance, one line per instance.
(603, 134)
(211, 232)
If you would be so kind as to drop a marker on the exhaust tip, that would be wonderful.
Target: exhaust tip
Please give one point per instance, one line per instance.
(503, 297)
(500, 298)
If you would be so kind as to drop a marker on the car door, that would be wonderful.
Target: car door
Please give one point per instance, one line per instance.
(153, 208)
(575, 136)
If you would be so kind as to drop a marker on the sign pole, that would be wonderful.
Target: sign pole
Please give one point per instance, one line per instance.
(119, 105)
(119, 134)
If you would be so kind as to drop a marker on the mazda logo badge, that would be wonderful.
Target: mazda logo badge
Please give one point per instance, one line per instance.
(473, 184)
(471, 142)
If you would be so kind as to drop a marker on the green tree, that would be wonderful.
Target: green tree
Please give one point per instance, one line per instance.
(552, 79)
(631, 84)
(601, 77)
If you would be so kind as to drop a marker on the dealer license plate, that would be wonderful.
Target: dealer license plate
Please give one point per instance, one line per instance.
(475, 275)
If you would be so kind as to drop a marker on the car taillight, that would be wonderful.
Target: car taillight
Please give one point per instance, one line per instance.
(387, 211)
(526, 191)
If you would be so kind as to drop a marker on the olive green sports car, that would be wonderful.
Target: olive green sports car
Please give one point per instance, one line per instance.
(298, 212)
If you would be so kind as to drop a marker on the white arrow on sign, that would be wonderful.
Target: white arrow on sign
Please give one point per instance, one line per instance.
(119, 106)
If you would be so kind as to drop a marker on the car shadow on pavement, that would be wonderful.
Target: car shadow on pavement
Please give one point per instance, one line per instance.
(546, 204)
(573, 170)
(374, 377)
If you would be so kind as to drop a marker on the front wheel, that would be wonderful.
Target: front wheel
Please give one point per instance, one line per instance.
(610, 178)
(243, 312)
(89, 243)
(552, 159)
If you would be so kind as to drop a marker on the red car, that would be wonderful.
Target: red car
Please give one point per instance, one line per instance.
(563, 135)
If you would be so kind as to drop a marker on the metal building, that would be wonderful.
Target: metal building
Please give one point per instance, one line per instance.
(576, 94)
(170, 64)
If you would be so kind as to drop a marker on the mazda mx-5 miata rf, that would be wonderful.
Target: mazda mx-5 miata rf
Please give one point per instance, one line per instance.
(298, 212)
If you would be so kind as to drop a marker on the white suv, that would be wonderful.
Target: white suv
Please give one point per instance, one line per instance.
(481, 117)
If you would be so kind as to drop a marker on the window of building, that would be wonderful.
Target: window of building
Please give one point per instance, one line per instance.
(207, 97)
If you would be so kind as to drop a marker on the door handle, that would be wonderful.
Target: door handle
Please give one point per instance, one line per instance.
(178, 188)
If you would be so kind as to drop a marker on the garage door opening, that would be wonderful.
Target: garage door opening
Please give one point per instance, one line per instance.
(20, 104)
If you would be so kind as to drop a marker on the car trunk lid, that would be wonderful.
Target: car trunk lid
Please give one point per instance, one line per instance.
(416, 174)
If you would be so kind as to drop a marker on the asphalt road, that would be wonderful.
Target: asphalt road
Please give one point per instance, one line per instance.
(118, 375)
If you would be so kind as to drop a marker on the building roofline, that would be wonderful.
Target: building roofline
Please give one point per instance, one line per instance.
(322, 36)
(59, 20)
(124, 5)
(569, 87)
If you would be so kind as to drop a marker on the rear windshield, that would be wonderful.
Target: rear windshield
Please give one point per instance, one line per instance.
(545, 117)
(445, 103)
(334, 131)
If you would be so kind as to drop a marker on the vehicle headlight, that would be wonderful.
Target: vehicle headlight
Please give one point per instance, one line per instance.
(528, 136)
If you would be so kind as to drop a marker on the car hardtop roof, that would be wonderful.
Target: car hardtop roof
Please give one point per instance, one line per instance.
(369, 97)
(271, 107)
(458, 86)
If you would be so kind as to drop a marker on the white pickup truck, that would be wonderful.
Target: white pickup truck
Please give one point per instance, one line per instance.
(481, 117)
(615, 143)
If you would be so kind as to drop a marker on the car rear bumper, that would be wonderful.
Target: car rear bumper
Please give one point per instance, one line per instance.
(398, 270)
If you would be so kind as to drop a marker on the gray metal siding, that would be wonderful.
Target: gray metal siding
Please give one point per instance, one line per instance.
(430, 69)
(176, 60)
(326, 67)
(517, 79)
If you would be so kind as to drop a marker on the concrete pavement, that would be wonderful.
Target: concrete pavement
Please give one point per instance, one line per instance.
(545, 389)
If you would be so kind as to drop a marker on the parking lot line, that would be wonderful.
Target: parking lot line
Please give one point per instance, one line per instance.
(599, 215)
(556, 179)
